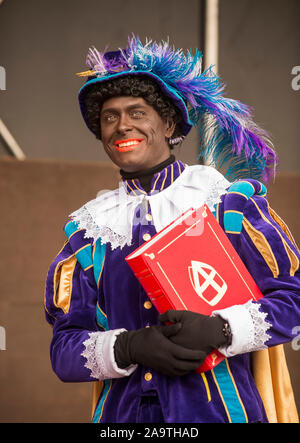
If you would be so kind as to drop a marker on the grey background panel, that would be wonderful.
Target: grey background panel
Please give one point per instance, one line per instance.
(43, 44)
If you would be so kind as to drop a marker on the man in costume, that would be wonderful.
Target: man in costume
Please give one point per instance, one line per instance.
(140, 102)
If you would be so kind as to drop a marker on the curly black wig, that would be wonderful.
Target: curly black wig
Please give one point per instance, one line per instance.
(130, 86)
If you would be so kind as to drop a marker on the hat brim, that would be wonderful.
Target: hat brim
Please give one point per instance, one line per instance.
(186, 124)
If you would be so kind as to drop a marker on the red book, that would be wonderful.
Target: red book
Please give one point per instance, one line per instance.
(191, 265)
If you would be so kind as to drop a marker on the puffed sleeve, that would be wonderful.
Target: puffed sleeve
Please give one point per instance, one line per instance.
(81, 348)
(270, 253)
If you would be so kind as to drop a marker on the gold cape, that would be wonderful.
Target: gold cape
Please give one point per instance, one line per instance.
(273, 382)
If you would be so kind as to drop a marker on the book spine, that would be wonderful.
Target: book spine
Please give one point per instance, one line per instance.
(153, 289)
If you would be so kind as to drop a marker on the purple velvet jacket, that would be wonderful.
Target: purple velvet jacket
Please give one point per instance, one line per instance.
(103, 294)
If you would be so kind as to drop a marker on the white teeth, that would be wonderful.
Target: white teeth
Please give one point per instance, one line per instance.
(123, 145)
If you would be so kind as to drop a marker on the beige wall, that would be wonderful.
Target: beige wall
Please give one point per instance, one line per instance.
(36, 198)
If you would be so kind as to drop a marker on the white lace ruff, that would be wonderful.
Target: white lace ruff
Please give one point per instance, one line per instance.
(112, 215)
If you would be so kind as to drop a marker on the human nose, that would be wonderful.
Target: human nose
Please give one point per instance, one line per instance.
(124, 123)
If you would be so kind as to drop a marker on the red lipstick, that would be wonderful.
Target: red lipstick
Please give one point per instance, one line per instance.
(127, 144)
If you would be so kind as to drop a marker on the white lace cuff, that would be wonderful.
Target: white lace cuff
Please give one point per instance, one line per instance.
(99, 353)
(248, 327)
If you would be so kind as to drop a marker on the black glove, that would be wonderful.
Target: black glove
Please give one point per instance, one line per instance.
(151, 347)
(198, 331)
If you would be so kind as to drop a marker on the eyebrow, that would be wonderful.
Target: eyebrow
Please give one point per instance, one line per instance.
(128, 108)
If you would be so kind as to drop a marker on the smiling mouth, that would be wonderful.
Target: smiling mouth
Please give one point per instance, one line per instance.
(127, 145)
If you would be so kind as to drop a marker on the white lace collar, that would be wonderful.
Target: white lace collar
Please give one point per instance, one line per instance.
(111, 216)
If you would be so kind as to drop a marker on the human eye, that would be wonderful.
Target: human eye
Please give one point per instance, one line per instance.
(138, 113)
(109, 117)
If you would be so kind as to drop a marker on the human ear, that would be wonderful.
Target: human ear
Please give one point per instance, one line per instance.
(170, 128)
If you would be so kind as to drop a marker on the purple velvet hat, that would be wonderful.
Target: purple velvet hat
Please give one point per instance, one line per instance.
(229, 138)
